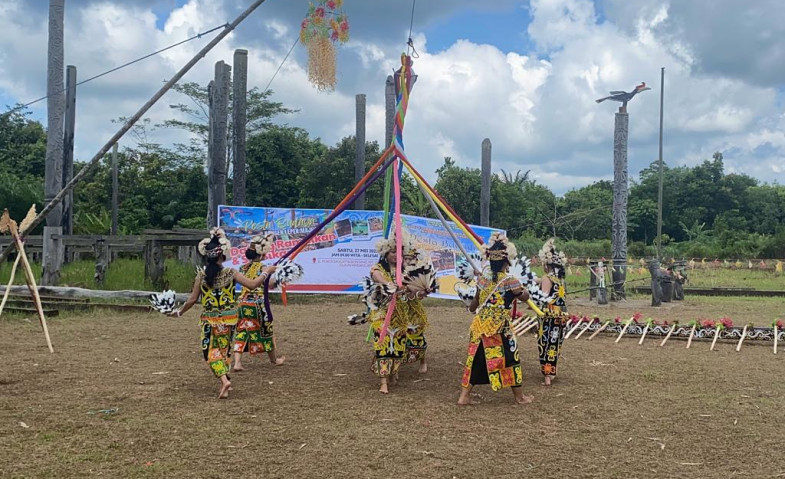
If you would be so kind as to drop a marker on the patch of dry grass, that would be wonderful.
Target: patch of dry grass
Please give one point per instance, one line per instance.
(129, 396)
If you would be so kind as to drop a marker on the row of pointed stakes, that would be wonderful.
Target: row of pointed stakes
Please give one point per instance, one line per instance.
(524, 324)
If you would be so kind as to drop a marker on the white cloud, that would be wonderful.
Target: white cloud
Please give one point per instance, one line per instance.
(538, 108)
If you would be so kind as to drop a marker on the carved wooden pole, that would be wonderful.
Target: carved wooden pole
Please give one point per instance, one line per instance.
(115, 192)
(55, 109)
(359, 150)
(101, 261)
(68, 146)
(389, 123)
(619, 230)
(656, 282)
(239, 119)
(53, 175)
(57, 200)
(485, 192)
(389, 111)
(216, 173)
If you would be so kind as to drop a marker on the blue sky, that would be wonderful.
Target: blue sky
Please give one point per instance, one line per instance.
(504, 29)
(523, 73)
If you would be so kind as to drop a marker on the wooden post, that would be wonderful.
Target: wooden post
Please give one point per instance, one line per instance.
(101, 261)
(216, 173)
(620, 192)
(115, 192)
(359, 147)
(57, 200)
(656, 283)
(210, 146)
(154, 263)
(389, 123)
(52, 255)
(485, 192)
(239, 119)
(55, 109)
(602, 291)
(389, 110)
(593, 270)
(68, 148)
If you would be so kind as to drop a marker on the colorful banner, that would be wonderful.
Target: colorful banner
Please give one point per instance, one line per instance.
(338, 257)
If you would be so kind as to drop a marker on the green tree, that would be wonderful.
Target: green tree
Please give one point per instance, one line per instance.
(260, 111)
(275, 158)
(22, 158)
(22, 144)
(460, 188)
(587, 211)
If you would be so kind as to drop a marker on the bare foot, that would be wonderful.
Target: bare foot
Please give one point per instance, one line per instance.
(524, 399)
(383, 388)
(547, 380)
(423, 367)
(466, 399)
(224, 392)
(279, 361)
(238, 368)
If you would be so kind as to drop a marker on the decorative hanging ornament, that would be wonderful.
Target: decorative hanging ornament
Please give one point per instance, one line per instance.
(325, 25)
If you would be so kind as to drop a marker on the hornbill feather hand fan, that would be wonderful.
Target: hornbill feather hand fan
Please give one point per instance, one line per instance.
(163, 302)
(420, 276)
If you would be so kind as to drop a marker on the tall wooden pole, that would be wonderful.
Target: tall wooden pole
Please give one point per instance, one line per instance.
(239, 118)
(659, 193)
(53, 171)
(115, 192)
(68, 146)
(389, 124)
(619, 227)
(389, 110)
(55, 109)
(485, 191)
(219, 117)
(57, 200)
(359, 147)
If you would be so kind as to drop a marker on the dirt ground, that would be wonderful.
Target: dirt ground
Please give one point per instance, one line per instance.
(129, 395)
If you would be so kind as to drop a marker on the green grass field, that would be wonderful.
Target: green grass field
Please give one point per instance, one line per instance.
(129, 274)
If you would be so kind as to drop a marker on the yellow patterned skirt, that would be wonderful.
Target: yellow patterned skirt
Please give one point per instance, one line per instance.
(389, 353)
(493, 357)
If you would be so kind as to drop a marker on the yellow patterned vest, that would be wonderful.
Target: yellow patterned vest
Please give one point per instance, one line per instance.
(399, 317)
(557, 305)
(493, 313)
(219, 301)
(252, 270)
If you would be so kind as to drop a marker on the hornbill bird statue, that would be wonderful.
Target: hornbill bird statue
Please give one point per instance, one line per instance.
(623, 96)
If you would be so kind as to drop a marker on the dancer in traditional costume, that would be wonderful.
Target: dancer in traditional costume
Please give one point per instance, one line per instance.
(215, 288)
(392, 352)
(254, 331)
(493, 356)
(552, 325)
(411, 303)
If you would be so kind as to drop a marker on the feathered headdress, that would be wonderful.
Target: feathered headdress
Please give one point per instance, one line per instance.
(387, 245)
(224, 246)
(261, 244)
(493, 252)
(548, 255)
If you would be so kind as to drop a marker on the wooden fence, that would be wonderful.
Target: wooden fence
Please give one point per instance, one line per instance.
(152, 245)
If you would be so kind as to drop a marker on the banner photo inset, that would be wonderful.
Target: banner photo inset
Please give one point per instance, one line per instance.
(337, 258)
